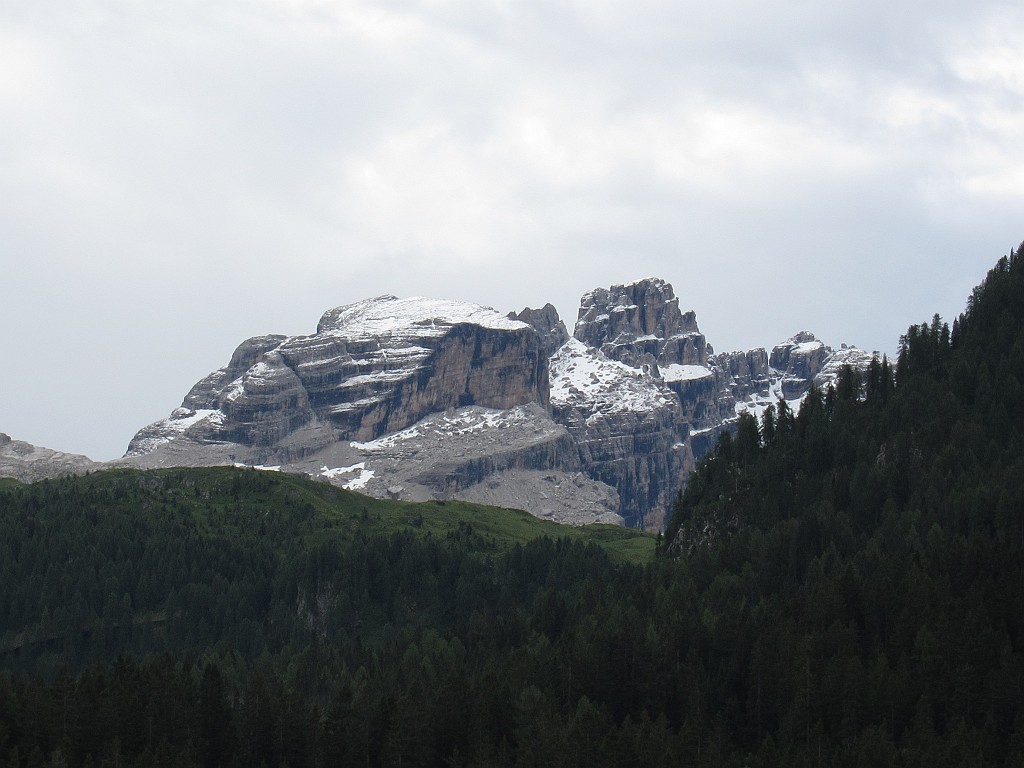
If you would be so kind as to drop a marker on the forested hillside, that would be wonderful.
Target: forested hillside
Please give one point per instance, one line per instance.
(871, 548)
(838, 587)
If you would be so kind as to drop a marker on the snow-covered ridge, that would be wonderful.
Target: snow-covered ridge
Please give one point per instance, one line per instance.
(854, 357)
(417, 315)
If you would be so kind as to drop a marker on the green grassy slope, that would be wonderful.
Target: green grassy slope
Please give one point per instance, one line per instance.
(242, 503)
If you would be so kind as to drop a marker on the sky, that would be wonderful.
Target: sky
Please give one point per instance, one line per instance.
(176, 177)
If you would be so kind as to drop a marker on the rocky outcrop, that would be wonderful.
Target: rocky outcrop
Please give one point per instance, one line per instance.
(29, 463)
(744, 373)
(699, 395)
(549, 327)
(798, 359)
(803, 359)
(640, 324)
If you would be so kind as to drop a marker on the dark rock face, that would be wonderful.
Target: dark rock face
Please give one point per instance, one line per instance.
(549, 327)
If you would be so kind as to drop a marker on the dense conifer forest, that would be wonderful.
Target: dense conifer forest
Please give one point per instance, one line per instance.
(843, 586)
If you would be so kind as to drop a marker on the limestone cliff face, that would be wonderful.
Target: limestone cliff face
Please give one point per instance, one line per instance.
(407, 398)
(744, 373)
(371, 368)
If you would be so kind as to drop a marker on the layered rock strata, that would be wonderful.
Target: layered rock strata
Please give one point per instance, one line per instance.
(371, 368)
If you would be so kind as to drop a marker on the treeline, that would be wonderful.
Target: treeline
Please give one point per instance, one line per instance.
(841, 586)
(872, 546)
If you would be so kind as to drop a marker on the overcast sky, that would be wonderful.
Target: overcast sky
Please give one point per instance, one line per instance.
(178, 176)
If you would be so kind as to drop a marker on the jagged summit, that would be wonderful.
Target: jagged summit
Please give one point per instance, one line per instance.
(640, 324)
(550, 328)
(803, 359)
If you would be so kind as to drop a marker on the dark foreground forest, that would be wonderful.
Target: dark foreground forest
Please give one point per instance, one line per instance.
(844, 586)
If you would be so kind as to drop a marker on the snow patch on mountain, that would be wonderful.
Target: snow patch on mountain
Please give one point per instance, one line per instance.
(757, 403)
(856, 358)
(582, 376)
(356, 483)
(260, 467)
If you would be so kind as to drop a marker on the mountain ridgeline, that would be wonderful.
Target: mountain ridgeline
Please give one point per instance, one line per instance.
(421, 399)
(836, 586)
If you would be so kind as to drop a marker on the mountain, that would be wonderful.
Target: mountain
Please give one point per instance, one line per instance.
(405, 398)
(420, 399)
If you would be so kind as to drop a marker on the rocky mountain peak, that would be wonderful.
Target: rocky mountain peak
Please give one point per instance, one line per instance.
(639, 324)
(799, 359)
